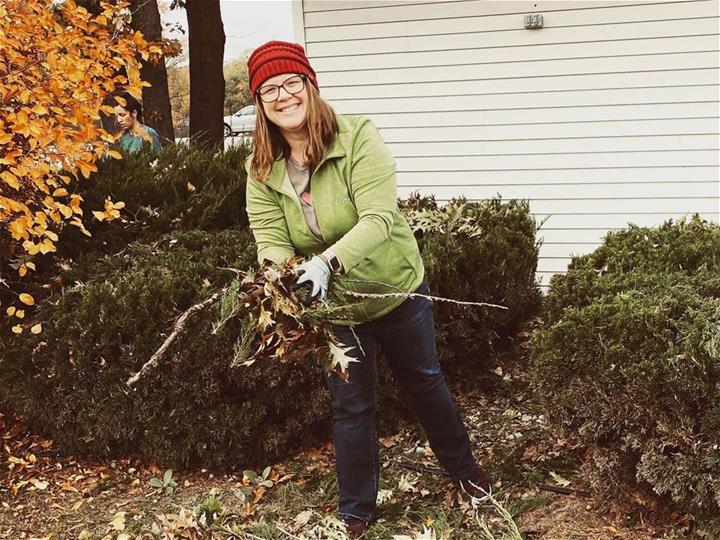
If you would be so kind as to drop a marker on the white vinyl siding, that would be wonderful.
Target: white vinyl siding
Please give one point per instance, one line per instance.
(607, 115)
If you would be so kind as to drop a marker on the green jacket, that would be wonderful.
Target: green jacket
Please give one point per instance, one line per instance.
(354, 194)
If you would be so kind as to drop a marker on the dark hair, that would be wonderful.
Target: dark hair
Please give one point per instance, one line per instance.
(131, 105)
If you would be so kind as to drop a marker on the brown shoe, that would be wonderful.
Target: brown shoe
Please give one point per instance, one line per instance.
(477, 486)
(355, 527)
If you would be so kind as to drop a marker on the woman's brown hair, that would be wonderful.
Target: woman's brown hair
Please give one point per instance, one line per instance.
(270, 144)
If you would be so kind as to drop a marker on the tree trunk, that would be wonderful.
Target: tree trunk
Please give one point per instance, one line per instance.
(206, 39)
(156, 98)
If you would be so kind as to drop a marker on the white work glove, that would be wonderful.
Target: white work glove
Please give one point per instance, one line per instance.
(314, 271)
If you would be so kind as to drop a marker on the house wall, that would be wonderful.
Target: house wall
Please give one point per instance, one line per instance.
(607, 115)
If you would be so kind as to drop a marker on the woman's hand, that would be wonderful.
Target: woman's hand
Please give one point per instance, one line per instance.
(314, 271)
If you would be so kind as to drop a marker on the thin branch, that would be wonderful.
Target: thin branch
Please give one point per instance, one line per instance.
(179, 328)
(372, 282)
(290, 535)
(563, 490)
(237, 272)
(414, 295)
(245, 533)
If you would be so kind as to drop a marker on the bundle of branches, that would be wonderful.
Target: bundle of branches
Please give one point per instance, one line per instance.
(278, 321)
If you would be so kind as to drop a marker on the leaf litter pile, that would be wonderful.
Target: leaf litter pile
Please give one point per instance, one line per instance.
(46, 496)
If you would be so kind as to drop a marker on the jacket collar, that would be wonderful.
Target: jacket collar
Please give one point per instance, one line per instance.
(276, 180)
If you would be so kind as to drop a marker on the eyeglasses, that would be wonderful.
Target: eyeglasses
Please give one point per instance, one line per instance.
(293, 85)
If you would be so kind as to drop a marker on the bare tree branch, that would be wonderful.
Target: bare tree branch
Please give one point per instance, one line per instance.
(179, 328)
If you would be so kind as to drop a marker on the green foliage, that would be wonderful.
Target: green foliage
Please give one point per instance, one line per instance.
(179, 188)
(630, 360)
(237, 86)
(633, 258)
(70, 380)
(167, 483)
(209, 509)
(477, 252)
(258, 479)
(113, 300)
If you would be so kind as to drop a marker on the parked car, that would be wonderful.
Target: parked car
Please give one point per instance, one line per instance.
(243, 121)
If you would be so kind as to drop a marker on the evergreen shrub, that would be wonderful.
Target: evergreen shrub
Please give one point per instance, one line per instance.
(179, 188)
(629, 359)
(478, 252)
(112, 299)
(69, 380)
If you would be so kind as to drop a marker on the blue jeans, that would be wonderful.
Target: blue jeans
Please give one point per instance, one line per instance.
(407, 337)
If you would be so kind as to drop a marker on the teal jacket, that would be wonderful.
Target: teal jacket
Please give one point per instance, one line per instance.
(131, 143)
(354, 194)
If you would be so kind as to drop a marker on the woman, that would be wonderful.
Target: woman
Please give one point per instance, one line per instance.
(135, 135)
(323, 185)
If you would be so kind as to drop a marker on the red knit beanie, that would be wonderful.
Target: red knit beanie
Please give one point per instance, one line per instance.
(275, 58)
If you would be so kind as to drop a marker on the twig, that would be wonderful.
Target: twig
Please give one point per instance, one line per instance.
(245, 533)
(563, 490)
(237, 272)
(179, 327)
(373, 282)
(279, 528)
(413, 295)
(406, 464)
(357, 340)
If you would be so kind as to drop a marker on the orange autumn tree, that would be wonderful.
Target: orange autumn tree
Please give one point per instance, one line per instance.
(58, 64)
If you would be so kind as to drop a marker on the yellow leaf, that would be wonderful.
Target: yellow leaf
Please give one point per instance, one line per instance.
(30, 265)
(31, 247)
(67, 486)
(27, 299)
(10, 179)
(190, 187)
(39, 484)
(339, 360)
(65, 210)
(17, 329)
(22, 270)
(114, 154)
(264, 319)
(36, 329)
(118, 521)
(47, 246)
(20, 313)
(60, 192)
(99, 215)
(39, 109)
(11, 311)
(84, 170)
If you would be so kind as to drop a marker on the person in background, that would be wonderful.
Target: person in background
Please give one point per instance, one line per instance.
(135, 135)
(323, 185)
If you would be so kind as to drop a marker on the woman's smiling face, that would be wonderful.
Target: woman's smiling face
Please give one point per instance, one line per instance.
(289, 111)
